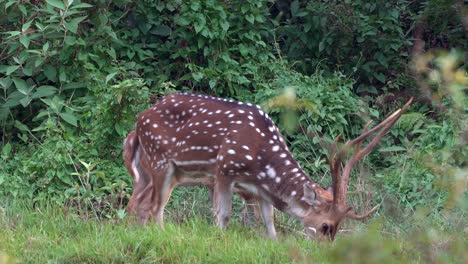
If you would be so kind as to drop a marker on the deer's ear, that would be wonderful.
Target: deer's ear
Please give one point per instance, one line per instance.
(310, 196)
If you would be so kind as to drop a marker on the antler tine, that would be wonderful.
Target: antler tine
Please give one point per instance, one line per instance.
(353, 215)
(335, 166)
(384, 127)
(390, 122)
(332, 154)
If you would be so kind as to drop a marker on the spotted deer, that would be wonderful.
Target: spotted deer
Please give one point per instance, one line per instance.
(187, 139)
(144, 181)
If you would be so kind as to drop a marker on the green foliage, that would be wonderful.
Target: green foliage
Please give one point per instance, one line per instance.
(38, 66)
(364, 40)
(326, 107)
(74, 74)
(370, 42)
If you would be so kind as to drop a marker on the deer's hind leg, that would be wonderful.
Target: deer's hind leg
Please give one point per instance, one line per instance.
(135, 162)
(164, 183)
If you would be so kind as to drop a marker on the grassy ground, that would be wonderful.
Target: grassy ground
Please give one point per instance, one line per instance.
(55, 235)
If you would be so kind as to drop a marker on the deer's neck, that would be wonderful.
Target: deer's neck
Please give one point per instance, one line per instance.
(285, 187)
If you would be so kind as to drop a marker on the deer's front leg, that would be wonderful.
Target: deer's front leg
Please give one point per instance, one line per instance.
(222, 201)
(267, 212)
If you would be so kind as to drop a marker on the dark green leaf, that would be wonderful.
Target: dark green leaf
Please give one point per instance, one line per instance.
(73, 85)
(56, 3)
(110, 76)
(21, 126)
(4, 111)
(81, 5)
(212, 83)
(161, 30)
(51, 73)
(25, 101)
(43, 91)
(6, 150)
(379, 76)
(250, 18)
(321, 46)
(11, 69)
(69, 118)
(24, 39)
(28, 68)
(198, 27)
(294, 8)
(72, 25)
(26, 26)
(225, 25)
(21, 86)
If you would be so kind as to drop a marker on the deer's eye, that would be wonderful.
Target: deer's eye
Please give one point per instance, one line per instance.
(325, 228)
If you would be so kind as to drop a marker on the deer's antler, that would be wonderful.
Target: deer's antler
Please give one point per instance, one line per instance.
(341, 180)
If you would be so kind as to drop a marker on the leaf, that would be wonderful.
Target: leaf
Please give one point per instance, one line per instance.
(22, 86)
(6, 150)
(23, 10)
(294, 8)
(112, 53)
(56, 3)
(11, 69)
(244, 50)
(73, 85)
(21, 126)
(198, 27)
(197, 76)
(321, 46)
(25, 101)
(13, 99)
(212, 83)
(8, 4)
(225, 25)
(250, 18)
(51, 73)
(82, 5)
(26, 26)
(28, 68)
(121, 214)
(43, 91)
(392, 149)
(182, 21)
(24, 40)
(110, 76)
(379, 76)
(45, 47)
(69, 118)
(4, 111)
(195, 6)
(13, 33)
(72, 25)
(161, 30)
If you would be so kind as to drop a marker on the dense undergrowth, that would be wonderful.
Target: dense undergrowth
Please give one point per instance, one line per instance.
(73, 75)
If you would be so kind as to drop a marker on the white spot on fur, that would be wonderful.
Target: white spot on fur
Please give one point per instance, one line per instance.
(271, 173)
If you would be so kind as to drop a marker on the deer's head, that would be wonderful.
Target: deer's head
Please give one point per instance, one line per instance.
(328, 207)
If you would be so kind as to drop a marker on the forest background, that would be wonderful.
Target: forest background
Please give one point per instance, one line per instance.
(74, 74)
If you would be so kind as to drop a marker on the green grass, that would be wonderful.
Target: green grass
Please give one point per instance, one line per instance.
(57, 235)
